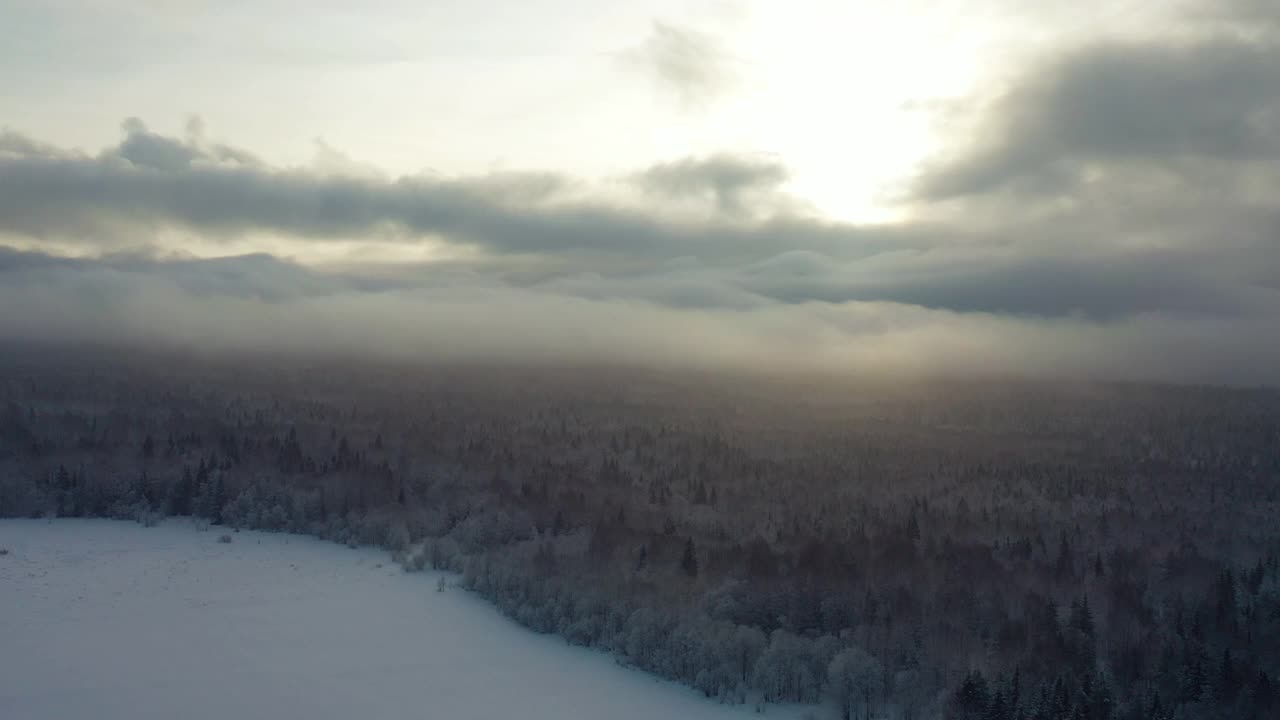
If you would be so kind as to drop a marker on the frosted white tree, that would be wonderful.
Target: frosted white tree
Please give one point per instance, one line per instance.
(852, 679)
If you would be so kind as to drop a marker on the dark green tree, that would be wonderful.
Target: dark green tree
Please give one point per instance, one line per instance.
(689, 559)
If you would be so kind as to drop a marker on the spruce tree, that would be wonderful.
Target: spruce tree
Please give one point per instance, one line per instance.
(689, 560)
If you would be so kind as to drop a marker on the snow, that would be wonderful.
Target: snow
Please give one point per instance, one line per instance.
(107, 620)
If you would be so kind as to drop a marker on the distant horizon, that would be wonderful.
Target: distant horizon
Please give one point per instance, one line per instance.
(837, 381)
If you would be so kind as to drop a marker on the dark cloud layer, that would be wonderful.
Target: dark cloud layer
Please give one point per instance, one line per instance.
(1111, 107)
(1114, 213)
(737, 186)
(150, 181)
(678, 319)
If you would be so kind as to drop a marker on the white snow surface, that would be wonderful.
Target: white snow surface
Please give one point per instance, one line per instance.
(110, 620)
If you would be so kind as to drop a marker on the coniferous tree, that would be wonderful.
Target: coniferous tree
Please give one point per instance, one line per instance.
(689, 559)
(1228, 683)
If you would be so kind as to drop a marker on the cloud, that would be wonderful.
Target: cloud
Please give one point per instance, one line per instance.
(149, 182)
(691, 65)
(1113, 214)
(754, 246)
(1183, 113)
(1120, 177)
(260, 276)
(474, 315)
(1250, 18)
(736, 186)
(1021, 282)
(144, 149)
(1125, 105)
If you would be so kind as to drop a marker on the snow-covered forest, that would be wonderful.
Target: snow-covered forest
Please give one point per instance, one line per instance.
(982, 549)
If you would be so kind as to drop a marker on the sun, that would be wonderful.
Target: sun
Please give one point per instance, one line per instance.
(844, 94)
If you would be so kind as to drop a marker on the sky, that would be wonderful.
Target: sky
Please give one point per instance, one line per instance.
(1085, 189)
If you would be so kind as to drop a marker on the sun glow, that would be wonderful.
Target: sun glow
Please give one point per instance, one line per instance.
(847, 95)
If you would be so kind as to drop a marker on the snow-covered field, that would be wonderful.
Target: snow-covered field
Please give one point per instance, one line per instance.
(110, 620)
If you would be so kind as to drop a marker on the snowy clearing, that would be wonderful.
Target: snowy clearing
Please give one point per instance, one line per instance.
(104, 619)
